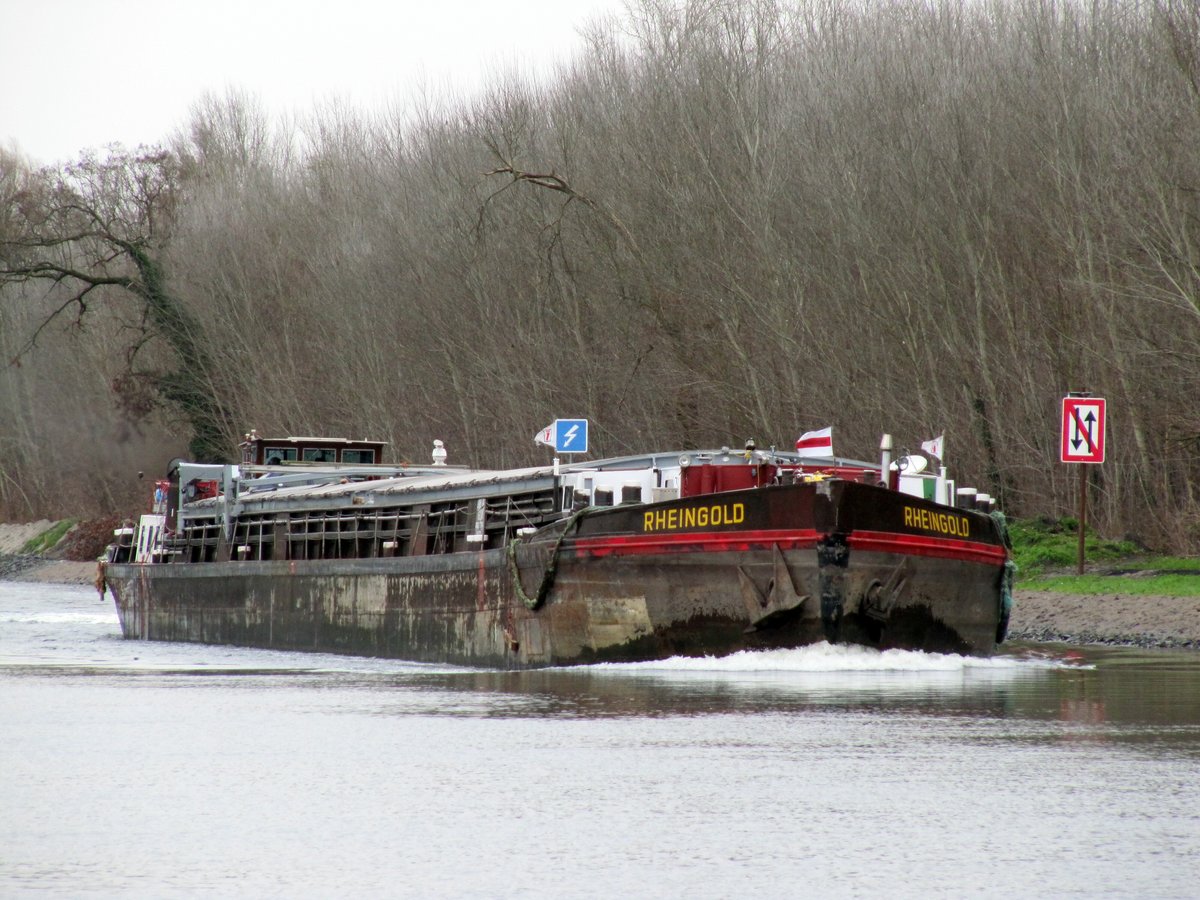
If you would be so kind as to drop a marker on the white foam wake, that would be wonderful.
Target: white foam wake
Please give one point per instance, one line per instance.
(108, 617)
(826, 657)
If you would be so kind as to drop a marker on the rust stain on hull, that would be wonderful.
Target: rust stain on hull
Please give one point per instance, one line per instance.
(598, 610)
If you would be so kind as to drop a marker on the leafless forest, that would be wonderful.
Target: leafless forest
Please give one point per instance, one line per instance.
(724, 219)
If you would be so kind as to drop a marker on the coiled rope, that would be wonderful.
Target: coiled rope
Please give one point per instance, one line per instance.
(547, 582)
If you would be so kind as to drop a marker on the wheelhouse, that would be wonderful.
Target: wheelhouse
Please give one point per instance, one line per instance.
(260, 451)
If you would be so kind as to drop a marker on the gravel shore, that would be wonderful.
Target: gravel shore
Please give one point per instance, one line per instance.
(1038, 615)
(1138, 620)
(46, 571)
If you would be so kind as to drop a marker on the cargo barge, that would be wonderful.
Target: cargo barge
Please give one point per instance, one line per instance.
(311, 544)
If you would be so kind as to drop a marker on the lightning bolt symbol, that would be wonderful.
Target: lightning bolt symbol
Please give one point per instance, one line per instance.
(570, 435)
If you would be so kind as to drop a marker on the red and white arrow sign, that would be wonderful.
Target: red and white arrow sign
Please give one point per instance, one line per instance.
(1082, 430)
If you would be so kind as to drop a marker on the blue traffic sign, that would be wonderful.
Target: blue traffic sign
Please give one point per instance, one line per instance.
(570, 435)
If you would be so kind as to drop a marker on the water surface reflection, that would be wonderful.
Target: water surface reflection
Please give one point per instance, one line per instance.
(185, 770)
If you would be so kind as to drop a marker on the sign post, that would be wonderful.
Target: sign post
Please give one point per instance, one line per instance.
(1082, 441)
(565, 436)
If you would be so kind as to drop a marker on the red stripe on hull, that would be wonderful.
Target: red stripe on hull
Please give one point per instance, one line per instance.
(722, 541)
(922, 545)
(693, 542)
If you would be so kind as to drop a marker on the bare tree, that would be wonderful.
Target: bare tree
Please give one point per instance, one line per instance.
(750, 218)
(98, 230)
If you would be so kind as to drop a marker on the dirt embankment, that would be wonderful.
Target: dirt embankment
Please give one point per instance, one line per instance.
(1038, 616)
(70, 560)
(1145, 621)
(47, 571)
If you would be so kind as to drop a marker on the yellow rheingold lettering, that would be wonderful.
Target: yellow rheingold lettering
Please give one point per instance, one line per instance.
(699, 517)
(942, 523)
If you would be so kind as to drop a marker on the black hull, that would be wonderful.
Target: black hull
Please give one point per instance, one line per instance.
(766, 568)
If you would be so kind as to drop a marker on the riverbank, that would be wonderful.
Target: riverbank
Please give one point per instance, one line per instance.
(46, 571)
(63, 552)
(1120, 619)
(1044, 616)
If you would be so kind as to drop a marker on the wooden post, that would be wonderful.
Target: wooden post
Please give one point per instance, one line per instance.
(1082, 513)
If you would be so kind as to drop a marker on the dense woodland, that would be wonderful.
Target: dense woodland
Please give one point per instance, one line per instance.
(723, 219)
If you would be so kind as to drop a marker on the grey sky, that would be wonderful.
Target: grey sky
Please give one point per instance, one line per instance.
(85, 73)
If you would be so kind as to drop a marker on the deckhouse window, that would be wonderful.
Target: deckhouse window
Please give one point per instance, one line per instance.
(276, 455)
(358, 456)
(318, 454)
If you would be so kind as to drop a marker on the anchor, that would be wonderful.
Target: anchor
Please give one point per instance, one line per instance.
(880, 598)
(781, 600)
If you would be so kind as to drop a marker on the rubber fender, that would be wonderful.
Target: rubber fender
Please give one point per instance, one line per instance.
(833, 556)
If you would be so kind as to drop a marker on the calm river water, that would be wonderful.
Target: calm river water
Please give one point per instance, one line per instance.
(164, 770)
